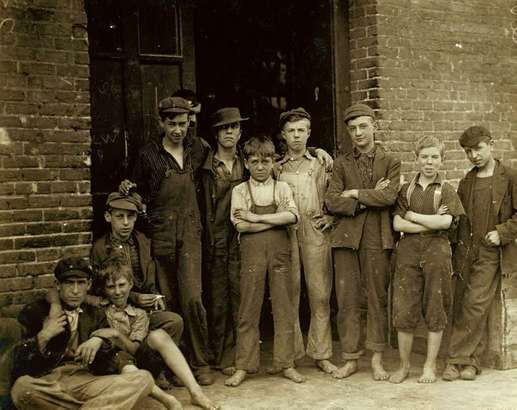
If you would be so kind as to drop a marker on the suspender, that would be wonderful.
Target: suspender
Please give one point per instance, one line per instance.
(251, 194)
(437, 193)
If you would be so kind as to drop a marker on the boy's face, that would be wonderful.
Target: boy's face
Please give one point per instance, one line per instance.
(480, 154)
(429, 160)
(296, 134)
(362, 132)
(228, 135)
(117, 291)
(175, 128)
(122, 222)
(72, 291)
(260, 167)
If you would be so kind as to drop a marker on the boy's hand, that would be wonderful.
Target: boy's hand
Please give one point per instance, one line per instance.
(382, 184)
(443, 210)
(125, 186)
(409, 216)
(323, 222)
(246, 215)
(106, 333)
(52, 326)
(87, 350)
(147, 300)
(492, 238)
(325, 159)
(350, 193)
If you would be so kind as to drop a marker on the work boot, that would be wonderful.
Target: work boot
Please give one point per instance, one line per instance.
(451, 373)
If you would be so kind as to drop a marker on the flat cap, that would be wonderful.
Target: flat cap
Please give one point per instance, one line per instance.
(226, 115)
(131, 201)
(358, 110)
(472, 136)
(177, 105)
(299, 112)
(73, 266)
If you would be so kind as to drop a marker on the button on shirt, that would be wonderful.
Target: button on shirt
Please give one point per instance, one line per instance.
(263, 195)
(72, 317)
(131, 321)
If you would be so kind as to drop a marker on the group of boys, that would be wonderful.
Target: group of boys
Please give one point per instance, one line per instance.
(218, 223)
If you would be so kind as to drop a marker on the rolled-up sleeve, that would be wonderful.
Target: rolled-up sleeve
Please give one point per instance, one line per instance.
(238, 202)
(285, 199)
(139, 326)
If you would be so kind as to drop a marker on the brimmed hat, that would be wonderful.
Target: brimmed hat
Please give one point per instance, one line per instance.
(225, 116)
(73, 266)
(176, 105)
(358, 110)
(130, 202)
(299, 112)
(472, 136)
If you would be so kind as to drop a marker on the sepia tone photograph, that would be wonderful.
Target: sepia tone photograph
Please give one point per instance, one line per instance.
(237, 204)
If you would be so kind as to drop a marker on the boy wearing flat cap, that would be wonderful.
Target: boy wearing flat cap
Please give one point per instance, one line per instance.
(362, 189)
(308, 180)
(485, 250)
(55, 360)
(221, 172)
(165, 174)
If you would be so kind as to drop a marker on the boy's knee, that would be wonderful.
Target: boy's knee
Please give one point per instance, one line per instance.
(157, 339)
(140, 377)
(22, 392)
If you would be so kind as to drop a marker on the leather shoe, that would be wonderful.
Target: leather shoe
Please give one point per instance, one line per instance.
(205, 379)
(468, 373)
(450, 373)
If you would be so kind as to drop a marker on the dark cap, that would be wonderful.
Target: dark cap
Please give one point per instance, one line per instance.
(357, 110)
(299, 112)
(191, 97)
(472, 136)
(73, 266)
(131, 201)
(227, 115)
(176, 105)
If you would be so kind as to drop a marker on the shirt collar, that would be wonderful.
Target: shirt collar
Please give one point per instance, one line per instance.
(116, 241)
(287, 157)
(267, 182)
(437, 179)
(75, 311)
(369, 154)
(129, 309)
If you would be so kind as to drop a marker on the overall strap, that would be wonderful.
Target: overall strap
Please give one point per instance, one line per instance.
(251, 195)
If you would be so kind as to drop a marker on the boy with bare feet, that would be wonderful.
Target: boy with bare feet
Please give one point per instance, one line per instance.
(308, 180)
(362, 189)
(260, 210)
(426, 209)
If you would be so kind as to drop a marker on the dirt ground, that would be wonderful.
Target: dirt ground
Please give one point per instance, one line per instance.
(493, 389)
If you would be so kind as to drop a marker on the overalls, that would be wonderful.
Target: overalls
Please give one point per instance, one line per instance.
(263, 252)
(175, 230)
(312, 250)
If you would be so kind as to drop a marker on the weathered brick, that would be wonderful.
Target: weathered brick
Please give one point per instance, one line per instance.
(44, 228)
(12, 229)
(37, 68)
(16, 257)
(13, 284)
(36, 269)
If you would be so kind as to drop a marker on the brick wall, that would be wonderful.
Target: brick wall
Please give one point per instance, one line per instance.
(436, 67)
(45, 204)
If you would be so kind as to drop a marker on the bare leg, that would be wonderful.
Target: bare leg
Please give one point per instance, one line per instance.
(326, 366)
(378, 372)
(237, 378)
(292, 374)
(160, 341)
(434, 339)
(348, 369)
(405, 344)
(168, 400)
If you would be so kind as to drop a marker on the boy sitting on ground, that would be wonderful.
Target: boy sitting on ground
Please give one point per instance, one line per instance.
(426, 209)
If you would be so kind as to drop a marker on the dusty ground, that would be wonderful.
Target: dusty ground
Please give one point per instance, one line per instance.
(493, 389)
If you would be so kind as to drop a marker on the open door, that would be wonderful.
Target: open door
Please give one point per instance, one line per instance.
(140, 52)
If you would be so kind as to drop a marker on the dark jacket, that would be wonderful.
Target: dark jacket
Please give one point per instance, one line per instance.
(208, 201)
(350, 217)
(28, 358)
(101, 250)
(504, 205)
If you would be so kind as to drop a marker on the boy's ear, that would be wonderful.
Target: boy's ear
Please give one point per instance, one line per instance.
(107, 216)
(246, 164)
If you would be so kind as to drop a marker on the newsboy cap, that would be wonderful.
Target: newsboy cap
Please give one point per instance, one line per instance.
(472, 136)
(299, 112)
(358, 110)
(227, 115)
(176, 105)
(131, 201)
(73, 266)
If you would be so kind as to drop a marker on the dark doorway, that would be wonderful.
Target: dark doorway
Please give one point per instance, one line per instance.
(265, 57)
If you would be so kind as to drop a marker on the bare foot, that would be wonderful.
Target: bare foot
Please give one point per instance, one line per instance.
(198, 398)
(428, 375)
(400, 375)
(171, 402)
(348, 369)
(326, 366)
(378, 372)
(237, 378)
(229, 371)
(293, 375)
